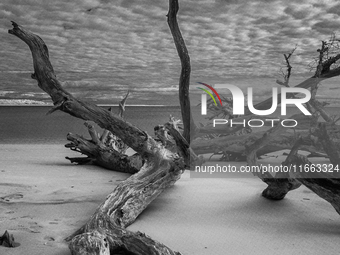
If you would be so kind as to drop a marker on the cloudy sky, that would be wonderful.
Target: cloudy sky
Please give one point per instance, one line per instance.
(101, 48)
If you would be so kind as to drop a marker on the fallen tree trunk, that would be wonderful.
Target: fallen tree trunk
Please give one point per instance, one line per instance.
(324, 184)
(122, 207)
(323, 181)
(328, 135)
(103, 156)
(105, 232)
(237, 144)
(324, 135)
(264, 105)
(325, 72)
(278, 185)
(233, 143)
(104, 150)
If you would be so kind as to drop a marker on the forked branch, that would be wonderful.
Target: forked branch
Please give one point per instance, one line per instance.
(105, 232)
(47, 81)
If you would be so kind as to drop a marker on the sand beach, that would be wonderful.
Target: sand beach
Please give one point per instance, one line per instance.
(44, 199)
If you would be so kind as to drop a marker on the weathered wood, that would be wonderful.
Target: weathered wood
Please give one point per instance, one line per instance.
(325, 185)
(113, 140)
(319, 108)
(161, 169)
(279, 187)
(106, 132)
(93, 243)
(280, 184)
(237, 144)
(184, 100)
(122, 104)
(121, 241)
(105, 232)
(322, 183)
(183, 148)
(137, 139)
(106, 150)
(128, 200)
(102, 156)
(227, 135)
(251, 149)
(329, 136)
(123, 205)
(93, 133)
(323, 72)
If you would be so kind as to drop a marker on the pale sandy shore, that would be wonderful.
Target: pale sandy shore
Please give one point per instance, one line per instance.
(44, 199)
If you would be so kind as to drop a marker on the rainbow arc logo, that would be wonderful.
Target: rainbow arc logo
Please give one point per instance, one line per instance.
(213, 90)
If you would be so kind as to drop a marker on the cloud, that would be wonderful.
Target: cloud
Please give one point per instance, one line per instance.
(334, 9)
(298, 13)
(127, 43)
(327, 26)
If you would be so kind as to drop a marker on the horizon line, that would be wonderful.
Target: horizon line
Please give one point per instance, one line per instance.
(101, 105)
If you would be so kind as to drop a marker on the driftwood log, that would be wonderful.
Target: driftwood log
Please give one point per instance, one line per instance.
(98, 153)
(327, 67)
(156, 167)
(323, 136)
(226, 140)
(106, 232)
(238, 143)
(280, 184)
(325, 182)
(309, 135)
(105, 150)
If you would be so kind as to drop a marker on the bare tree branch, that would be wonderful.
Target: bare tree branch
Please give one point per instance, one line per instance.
(184, 81)
(286, 75)
(161, 169)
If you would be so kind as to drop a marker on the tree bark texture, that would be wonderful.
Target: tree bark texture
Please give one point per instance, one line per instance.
(184, 100)
(161, 168)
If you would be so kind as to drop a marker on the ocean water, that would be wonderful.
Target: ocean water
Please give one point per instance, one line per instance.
(30, 124)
